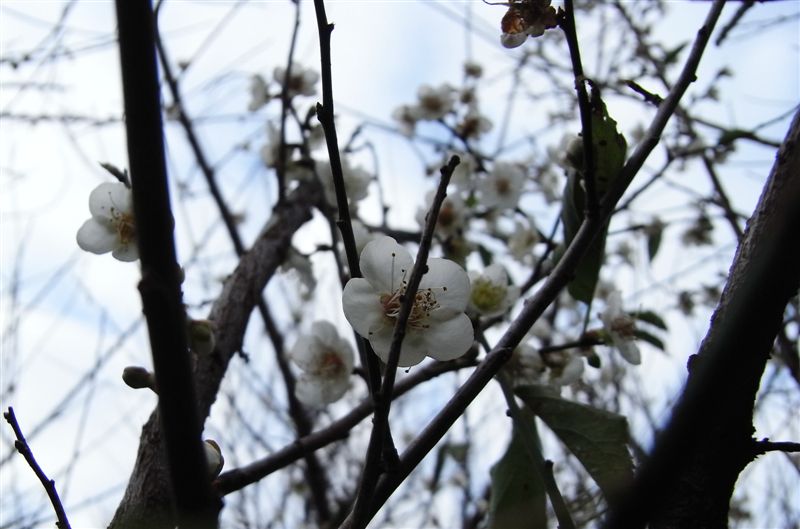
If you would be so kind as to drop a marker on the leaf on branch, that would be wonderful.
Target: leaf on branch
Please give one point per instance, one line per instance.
(610, 148)
(598, 438)
(648, 316)
(518, 495)
(652, 339)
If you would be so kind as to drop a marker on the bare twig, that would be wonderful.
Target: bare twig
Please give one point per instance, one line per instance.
(49, 485)
(380, 426)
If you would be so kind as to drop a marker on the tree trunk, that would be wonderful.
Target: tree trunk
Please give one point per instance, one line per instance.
(689, 479)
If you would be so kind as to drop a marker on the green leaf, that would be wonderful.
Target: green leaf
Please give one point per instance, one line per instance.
(650, 338)
(610, 146)
(609, 149)
(518, 495)
(486, 255)
(648, 316)
(654, 236)
(598, 438)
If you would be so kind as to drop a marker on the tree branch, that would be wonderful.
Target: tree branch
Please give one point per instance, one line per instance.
(195, 501)
(49, 485)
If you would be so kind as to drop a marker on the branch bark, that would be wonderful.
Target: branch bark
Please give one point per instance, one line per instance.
(689, 479)
(146, 503)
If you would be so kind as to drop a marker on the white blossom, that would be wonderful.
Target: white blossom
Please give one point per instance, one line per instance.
(214, 458)
(406, 117)
(452, 214)
(437, 327)
(111, 228)
(259, 93)
(301, 81)
(522, 241)
(620, 328)
(502, 187)
(553, 368)
(356, 182)
(435, 103)
(327, 362)
(491, 294)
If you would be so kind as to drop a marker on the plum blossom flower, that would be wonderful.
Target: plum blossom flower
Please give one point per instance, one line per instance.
(435, 103)
(437, 326)
(554, 368)
(356, 182)
(406, 117)
(301, 81)
(327, 362)
(452, 215)
(111, 228)
(259, 93)
(525, 19)
(522, 241)
(621, 329)
(491, 295)
(501, 189)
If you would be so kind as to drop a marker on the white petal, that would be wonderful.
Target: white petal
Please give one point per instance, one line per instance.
(126, 252)
(385, 264)
(450, 339)
(108, 197)
(628, 349)
(96, 237)
(302, 352)
(361, 305)
(496, 274)
(318, 391)
(450, 285)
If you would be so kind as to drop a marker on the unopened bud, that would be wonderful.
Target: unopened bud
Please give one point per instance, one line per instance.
(214, 458)
(201, 336)
(138, 377)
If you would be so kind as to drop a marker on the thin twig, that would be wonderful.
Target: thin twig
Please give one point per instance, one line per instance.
(325, 115)
(568, 25)
(49, 485)
(380, 426)
(551, 487)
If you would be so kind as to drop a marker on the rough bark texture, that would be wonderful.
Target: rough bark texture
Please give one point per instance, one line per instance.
(147, 500)
(689, 479)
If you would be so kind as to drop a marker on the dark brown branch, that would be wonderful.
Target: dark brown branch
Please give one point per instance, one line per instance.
(690, 476)
(315, 473)
(239, 478)
(146, 500)
(195, 502)
(49, 485)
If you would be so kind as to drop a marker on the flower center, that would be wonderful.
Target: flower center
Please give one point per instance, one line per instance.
(424, 303)
(123, 223)
(624, 326)
(330, 365)
(486, 295)
(502, 185)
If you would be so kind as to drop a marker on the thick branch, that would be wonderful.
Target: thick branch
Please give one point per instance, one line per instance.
(195, 501)
(690, 477)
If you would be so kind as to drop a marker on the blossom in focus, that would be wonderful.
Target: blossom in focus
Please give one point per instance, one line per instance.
(301, 81)
(437, 326)
(491, 294)
(111, 228)
(502, 187)
(327, 362)
(621, 328)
